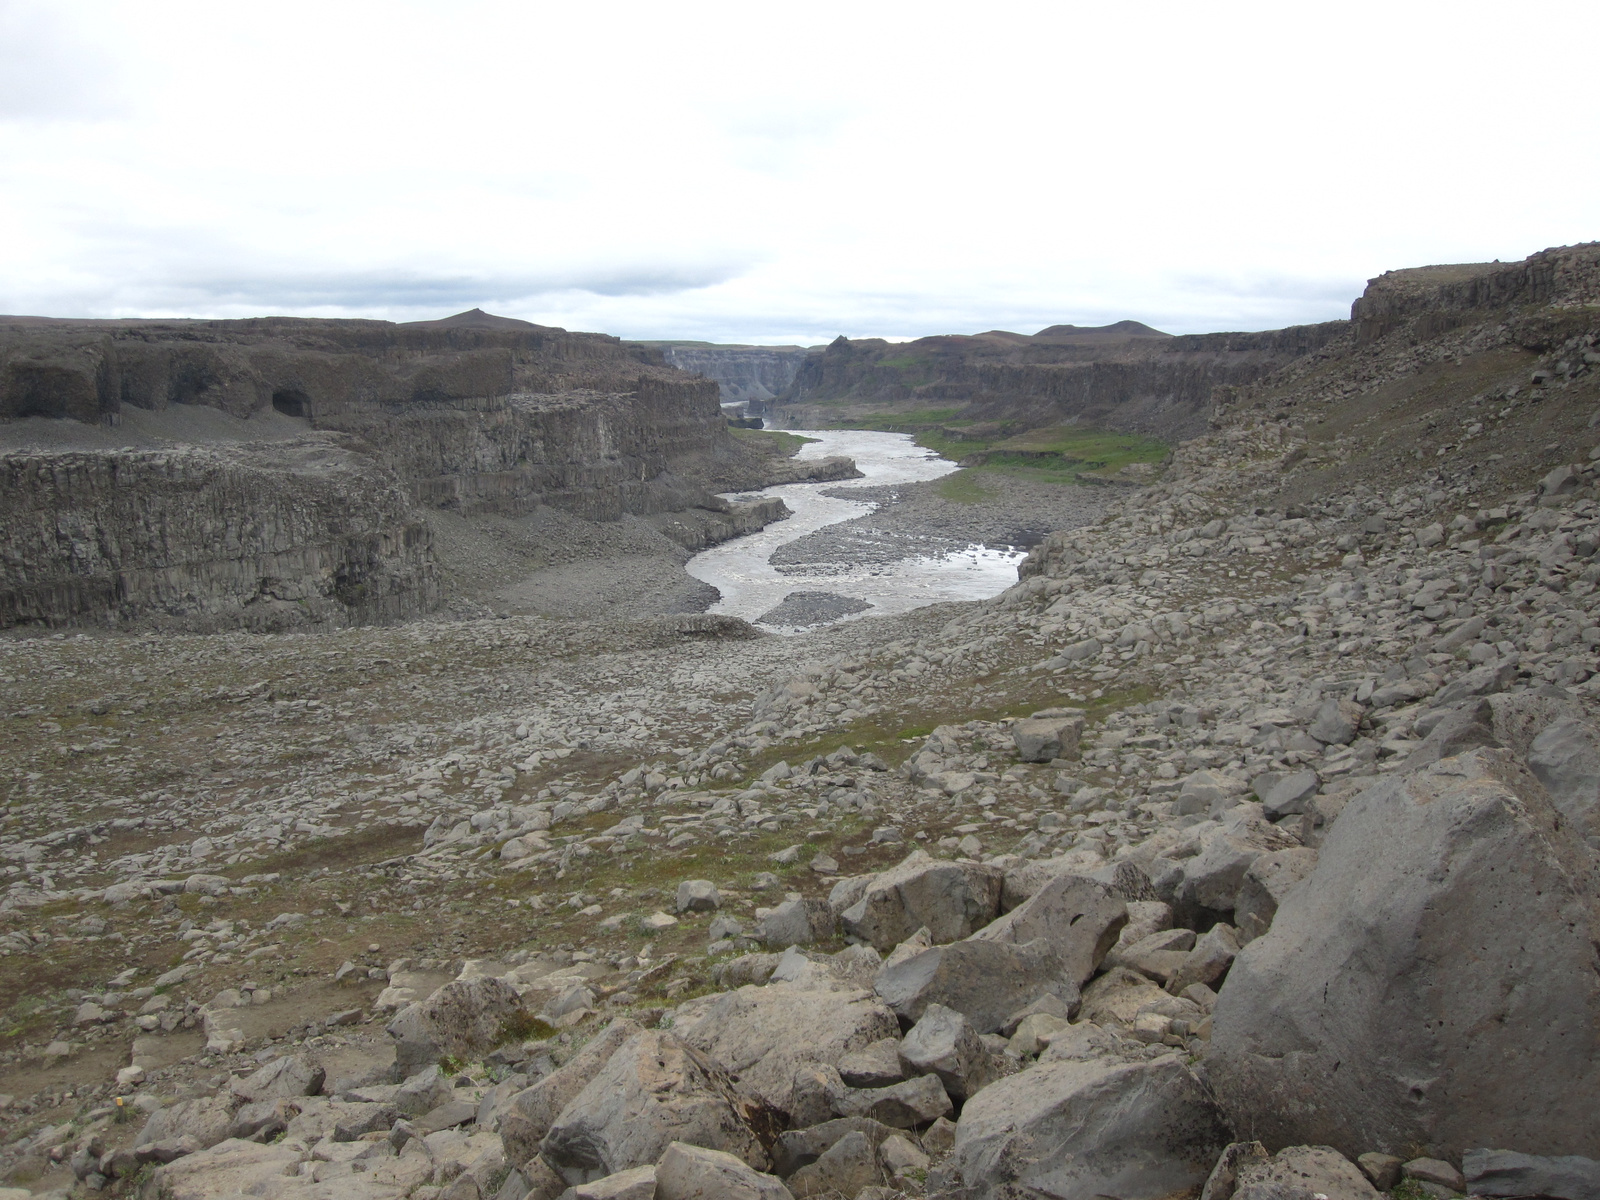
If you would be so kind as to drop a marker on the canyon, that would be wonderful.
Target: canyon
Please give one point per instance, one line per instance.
(745, 374)
(277, 472)
(1246, 847)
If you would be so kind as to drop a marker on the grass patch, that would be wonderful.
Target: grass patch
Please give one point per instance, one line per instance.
(962, 487)
(778, 442)
(1062, 453)
(913, 421)
(523, 1026)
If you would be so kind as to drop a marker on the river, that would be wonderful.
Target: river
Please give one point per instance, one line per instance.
(742, 570)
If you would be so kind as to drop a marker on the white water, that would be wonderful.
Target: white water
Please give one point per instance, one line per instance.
(750, 585)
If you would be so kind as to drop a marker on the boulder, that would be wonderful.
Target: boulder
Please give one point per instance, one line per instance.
(877, 1065)
(942, 1043)
(1144, 918)
(533, 1110)
(1481, 681)
(637, 1184)
(230, 1168)
(1116, 998)
(1080, 1130)
(282, 1078)
(205, 1119)
(761, 1034)
(1459, 730)
(1210, 959)
(1267, 881)
(1565, 757)
(1336, 722)
(1211, 879)
(1024, 879)
(1291, 794)
(1206, 791)
(985, 981)
(1247, 1172)
(904, 1105)
(422, 1092)
(698, 895)
(690, 1172)
(1078, 919)
(798, 921)
(846, 1167)
(1447, 936)
(1507, 1173)
(949, 899)
(1382, 1170)
(654, 1090)
(1158, 956)
(795, 1148)
(1051, 734)
(464, 1019)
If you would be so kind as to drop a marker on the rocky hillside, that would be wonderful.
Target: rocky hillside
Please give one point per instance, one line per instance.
(1127, 376)
(338, 439)
(1248, 847)
(745, 374)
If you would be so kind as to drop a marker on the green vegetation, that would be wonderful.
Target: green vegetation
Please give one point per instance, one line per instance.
(915, 421)
(522, 1026)
(1057, 453)
(912, 371)
(962, 487)
(781, 444)
(1053, 454)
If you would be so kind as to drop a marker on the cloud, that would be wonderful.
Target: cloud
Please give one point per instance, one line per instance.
(371, 290)
(50, 68)
(722, 171)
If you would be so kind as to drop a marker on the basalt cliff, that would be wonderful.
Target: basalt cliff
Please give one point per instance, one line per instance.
(274, 472)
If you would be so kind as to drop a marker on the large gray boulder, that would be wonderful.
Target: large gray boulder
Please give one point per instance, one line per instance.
(844, 1169)
(1077, 918)
(760, 1035)
(533, 1110)
(690, 1172)
(463, 1019)
(904, 1105)
(1508, 1173)
(653, 1091)
(1247, 1172)
(1565, 757)
(798, 921)
(985, 981)
(950, 899)
(282, 1078)
(1085, 1129)
(1212, 878)
(1049, 734)
(1267, 881)
(1447, 938)
(943, 1043)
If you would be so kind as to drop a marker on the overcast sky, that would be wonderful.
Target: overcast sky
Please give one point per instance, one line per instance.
(781, 172)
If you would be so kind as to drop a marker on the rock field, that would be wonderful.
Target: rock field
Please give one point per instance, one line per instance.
(1248, 847)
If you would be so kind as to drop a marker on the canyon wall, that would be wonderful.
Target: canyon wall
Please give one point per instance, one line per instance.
(477, 414)
(1432, 300)
(1125, 376)
(743, 373)
(260, 537)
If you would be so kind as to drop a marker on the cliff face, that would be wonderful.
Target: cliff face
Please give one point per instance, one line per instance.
(1124, 376)
(743, 373)
(1432, 300)
(475, 414)
(261, 537)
